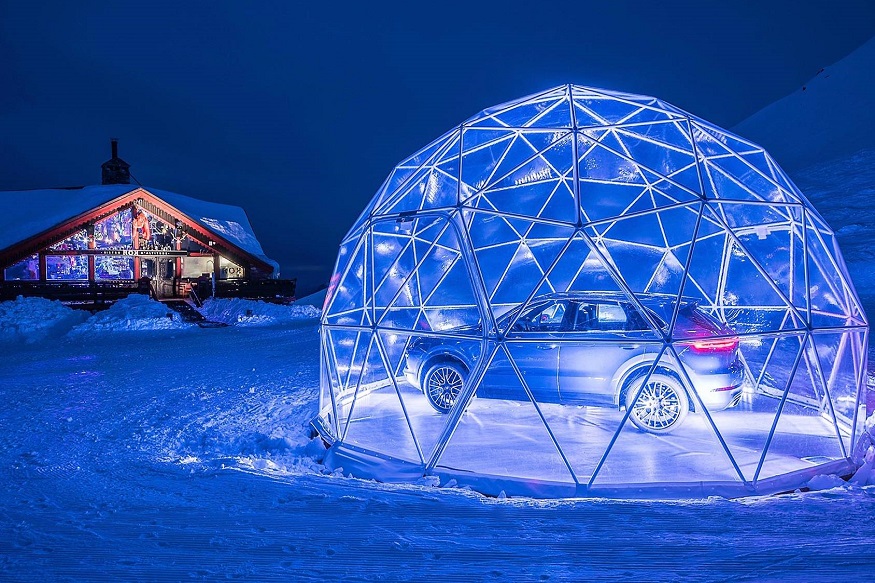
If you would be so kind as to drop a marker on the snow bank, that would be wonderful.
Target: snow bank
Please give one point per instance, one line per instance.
(242, 312)
(134, 313)
(29, 320)
(315, 299)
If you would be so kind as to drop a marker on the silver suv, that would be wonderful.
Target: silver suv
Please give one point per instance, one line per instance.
(589, 348)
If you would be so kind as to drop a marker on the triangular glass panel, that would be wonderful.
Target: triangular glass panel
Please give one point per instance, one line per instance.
(582, 269)
(519, 152)
(654, 114)
(734, 179)
(378, 420)
(445, 287)
(736, 297)
(551, 94)
(347, 301)
(782, 179)
(841, 359)
(541, 187)
(348, 351)
(585, 118)
(434, 189)
(609, 183)
(664, 148)
(805, 434)
(552, 113)
(650, 250)
(411, 358)
(833, 303)
(522, 276)
(403, 171)
(743, 389)
(583, 416)
(397, 250)
(772, 236)
(479, 163)
(502, 433)
(328, 385)
(538, 111)
(430, 290)
(606, 109)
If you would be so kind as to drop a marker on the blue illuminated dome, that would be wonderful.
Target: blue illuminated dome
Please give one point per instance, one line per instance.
(585, 292)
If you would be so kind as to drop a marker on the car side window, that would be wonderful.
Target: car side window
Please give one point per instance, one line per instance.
(586, 317)
(612, 318)
(547, 318)
(597, 316)
(637, 322)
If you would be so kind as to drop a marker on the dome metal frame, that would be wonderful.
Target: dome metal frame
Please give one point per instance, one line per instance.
(578, 190)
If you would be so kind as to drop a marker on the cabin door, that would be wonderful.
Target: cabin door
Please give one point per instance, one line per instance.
(162, 272)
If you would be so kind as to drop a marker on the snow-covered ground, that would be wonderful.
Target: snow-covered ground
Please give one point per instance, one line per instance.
(131, 453)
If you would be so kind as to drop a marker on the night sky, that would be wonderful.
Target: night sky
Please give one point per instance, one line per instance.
(297, 112)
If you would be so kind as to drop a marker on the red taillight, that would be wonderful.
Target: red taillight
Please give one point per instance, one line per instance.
(715, 345)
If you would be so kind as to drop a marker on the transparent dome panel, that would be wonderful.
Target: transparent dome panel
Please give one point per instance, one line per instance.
(503, 432)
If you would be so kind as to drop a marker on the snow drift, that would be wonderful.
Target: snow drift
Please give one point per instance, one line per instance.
(31, 320)
(240, 312)
(134, 313)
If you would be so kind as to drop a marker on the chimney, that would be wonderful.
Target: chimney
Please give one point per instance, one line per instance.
(115, 170)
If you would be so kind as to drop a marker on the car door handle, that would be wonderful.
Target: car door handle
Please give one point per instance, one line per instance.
(632, 347)
(546, 346)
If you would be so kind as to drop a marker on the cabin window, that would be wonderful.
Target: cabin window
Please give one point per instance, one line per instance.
(25, 270)
(76, 241)
(195, 267)
(229, 269)
(114, 232)
(67, 267)
(113, 268)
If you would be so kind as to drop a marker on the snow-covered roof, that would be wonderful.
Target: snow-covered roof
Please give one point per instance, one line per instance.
(25, 213)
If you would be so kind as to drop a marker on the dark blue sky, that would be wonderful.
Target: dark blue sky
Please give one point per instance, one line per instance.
(298, 112)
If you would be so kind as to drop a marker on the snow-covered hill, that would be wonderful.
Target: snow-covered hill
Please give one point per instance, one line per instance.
(823, 134)
(831, 116)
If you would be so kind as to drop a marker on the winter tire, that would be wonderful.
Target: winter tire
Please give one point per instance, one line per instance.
(442, 384)
(661, 406)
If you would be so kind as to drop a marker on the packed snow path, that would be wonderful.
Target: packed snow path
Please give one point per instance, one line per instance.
(184, 454)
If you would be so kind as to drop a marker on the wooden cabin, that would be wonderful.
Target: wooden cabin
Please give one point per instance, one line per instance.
(98, 243)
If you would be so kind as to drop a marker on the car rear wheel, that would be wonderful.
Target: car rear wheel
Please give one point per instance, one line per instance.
(661, 406)
(442, 384)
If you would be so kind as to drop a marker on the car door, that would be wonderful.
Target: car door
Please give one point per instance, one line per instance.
(598, 345)
(534, 345)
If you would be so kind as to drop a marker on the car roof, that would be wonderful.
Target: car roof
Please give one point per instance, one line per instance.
(644, 298)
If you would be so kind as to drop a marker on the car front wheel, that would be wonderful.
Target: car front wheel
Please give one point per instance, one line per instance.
(661, 406)
(442, 384)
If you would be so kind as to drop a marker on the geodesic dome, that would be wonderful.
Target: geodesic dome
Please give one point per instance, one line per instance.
(586, 292)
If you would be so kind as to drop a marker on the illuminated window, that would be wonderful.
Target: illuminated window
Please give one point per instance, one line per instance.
(78, 240)
(113, 268)
(114, 232)
(24, 270)
(67, 267)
